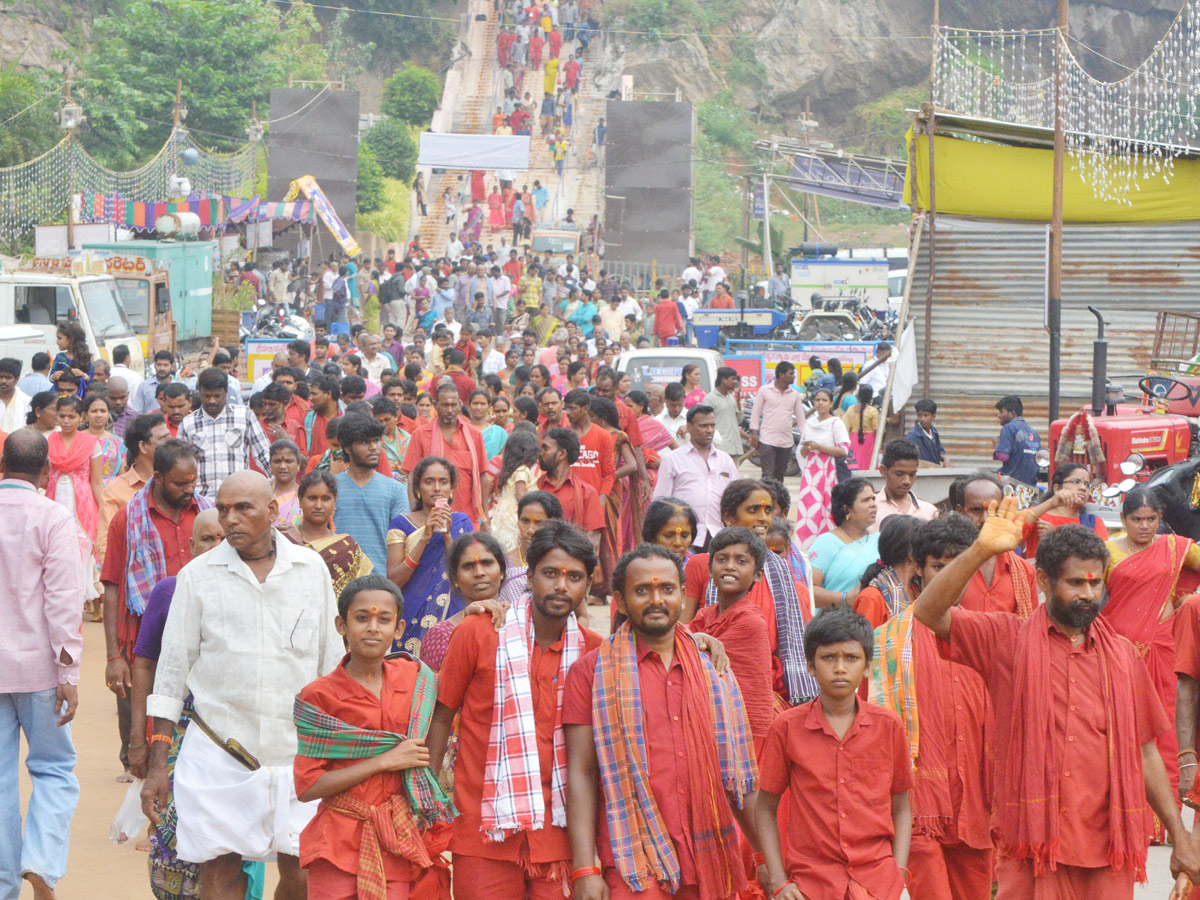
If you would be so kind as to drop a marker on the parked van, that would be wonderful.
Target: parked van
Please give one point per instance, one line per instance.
(663, 365)
(46, 291)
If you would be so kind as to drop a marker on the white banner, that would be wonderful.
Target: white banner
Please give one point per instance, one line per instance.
(474, 151)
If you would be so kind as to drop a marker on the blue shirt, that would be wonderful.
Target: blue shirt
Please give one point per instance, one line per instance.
(351, 281)
(541, 197)
(35, 383)
(1016, 448)
(930, 447)
(442, 301)
(364, 513)
(583, 317)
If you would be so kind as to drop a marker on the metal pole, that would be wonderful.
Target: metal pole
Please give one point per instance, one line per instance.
(815, 205)
(747, 199)
(1054, 276)
(766, 244)
(70, 176)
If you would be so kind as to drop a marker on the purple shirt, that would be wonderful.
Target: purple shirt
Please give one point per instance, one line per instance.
(773, 413)
(154, 620)
(698, 481)
(122, 421)
(41, 605)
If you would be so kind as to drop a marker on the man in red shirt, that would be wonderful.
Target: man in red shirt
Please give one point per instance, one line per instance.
(512, 268)
(324, 394)
(453, 437)
(951, 855)
(1076, 756)
(722, 299)
(281, 420)
(510, 840)
(550, 405)
(157, 524)
(175, 403)
(1005, 583)
(667, 321)
(596, 464)
(580, 502)
(641, 715)
(455, 359)
(605, 385)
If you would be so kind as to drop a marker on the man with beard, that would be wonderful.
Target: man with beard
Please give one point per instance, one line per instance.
(366, 501)
(580, 503)
(659, 751)
(1076, 757)
(550, 407)
(148, 540)
(510, 838)
(450, 436)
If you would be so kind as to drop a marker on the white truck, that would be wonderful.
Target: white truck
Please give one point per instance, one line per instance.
(44, 292)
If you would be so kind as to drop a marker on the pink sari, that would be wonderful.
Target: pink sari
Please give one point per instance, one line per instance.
(1144, 590)
(75, 462)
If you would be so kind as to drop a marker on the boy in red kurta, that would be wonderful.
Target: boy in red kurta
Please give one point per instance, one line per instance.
(596, 464)
(379, 709)
(1077, 767)
(845, 765)
(948, 732)
(510, 838)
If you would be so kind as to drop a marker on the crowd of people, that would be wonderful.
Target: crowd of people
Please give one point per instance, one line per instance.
(355, 618)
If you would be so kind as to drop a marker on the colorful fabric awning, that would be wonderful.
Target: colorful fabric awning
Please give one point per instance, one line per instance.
(140, 216)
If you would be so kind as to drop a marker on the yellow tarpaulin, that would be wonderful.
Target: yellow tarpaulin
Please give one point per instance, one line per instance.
(997, 181)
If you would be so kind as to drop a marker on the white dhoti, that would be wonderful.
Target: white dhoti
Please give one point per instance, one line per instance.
(225, 808)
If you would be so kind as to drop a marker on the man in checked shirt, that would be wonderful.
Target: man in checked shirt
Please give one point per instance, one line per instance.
(225, 435)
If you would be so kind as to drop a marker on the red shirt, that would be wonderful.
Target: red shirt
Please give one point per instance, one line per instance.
(840, 799)
(467, 682)
(742, 628)
(330, 835)
(458, 452)
(512, 269)
(545, 424)
(464, 382)
(629, 423)
(667, 321)
(725, 302)
(580, 502)
(666, 746)
(1000, 596)
(987, 642)
(964, 730)
(319, 443)
(596, 464)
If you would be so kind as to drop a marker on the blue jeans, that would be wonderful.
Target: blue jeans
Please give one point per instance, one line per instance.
(51, 766)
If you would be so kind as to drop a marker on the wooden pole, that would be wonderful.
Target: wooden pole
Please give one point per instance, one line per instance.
(178, 101)
(1054, 276)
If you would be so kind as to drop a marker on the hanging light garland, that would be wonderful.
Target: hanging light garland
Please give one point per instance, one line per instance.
(38, 191)
(1117, 132)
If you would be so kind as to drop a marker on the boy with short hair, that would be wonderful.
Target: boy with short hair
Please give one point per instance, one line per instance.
(925, 435)
(847, 765)
(735, 558)
(898, 465)
(362, 753)
(395, 439)
(947, 715)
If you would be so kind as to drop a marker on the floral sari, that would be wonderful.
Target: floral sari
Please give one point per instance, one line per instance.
(112, 451)
(1144, 591)
(818, 476)
(428, 597)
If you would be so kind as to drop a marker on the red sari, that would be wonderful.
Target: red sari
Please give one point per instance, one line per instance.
(478, 192)
(1144, 592)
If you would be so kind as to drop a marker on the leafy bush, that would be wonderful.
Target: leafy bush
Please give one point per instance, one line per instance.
(370, 182)
(411, 95)
(392, 143)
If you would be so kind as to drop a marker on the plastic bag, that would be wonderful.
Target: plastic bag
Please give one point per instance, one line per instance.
(130, 821)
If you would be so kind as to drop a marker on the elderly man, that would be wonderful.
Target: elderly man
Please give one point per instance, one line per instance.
(251, 623)
(278, 361)
(41, 605)
(118, 405)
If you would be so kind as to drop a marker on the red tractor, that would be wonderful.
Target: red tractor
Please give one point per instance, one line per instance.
(1131, 443)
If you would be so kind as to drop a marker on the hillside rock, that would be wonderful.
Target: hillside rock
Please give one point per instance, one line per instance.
(33, 35)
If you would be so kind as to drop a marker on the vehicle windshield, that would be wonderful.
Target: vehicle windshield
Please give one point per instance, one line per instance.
(896, 283)
(103, 305)
(135, 297)
(559, 244)
(646, 370)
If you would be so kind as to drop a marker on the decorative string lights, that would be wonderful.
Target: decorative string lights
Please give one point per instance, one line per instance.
(38, 191)
(1117, 133)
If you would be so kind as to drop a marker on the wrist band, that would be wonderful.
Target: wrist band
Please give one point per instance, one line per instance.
(165, 738)
(118, 656)
(584, 872)
(136, 746)
(779, 890)
(759, 859)
(1188, 765)
(1188, 752)
(410, 562)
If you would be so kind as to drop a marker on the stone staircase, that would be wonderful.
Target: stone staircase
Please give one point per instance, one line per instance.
(478, 95)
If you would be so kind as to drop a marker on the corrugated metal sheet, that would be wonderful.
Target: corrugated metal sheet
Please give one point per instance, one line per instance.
(988, 337)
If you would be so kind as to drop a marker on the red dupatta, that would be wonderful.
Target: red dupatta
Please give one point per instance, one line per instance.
(1144, 590)
(1028, 803)
(75, 463)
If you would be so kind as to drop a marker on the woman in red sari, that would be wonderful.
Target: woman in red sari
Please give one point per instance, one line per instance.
(1149, 575)
(623, 511)
(655, 437)
(478, 191)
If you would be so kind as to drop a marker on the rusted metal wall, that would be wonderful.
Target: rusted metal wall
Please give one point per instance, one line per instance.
(987, 336)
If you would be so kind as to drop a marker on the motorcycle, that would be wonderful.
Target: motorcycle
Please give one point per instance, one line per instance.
(276, 320)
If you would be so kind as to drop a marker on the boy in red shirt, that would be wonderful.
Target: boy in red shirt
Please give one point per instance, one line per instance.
(667, 321)
(847, 766)
(362, 752)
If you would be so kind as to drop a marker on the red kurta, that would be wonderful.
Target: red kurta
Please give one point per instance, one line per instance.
(459, 452)
(580, 502)
(596, 464)
(467, 682)
(743, 631)
(839, 798)
(332, 836)
(1000, 595)
(666, 746)
(987, 643)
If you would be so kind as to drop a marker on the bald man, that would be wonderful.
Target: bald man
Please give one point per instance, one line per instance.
(251, 623)
(278, 361)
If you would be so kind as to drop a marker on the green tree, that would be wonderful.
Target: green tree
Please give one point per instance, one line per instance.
(227, 54)
(370, 182)
(411, 95)
(392, 143)
(28, 102)
(347, 56)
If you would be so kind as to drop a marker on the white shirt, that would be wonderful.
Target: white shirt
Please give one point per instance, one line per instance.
(877, 377)
(455, 329)
(630, 307)
(714, 277)
(12, 413)
(565, 271)
(501, 289)
(374, 368)
(244, 649)
(493, 362)
(263, 380)
(454, 249)
(674, 425)
(328, 279)
(691, 273)
(132, 378)
(691, 303)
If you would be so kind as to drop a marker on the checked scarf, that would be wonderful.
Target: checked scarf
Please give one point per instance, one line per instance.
(512, 779)
(718, 741)
(893, 675)
(888, 583)
(789, 627)
(147, 565)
